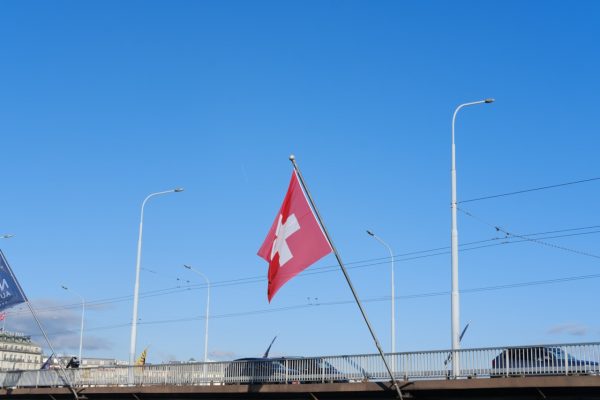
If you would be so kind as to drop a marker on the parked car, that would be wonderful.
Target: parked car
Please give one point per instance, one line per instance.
(539, 360)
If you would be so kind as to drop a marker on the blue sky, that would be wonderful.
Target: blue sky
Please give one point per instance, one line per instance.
(105, 102)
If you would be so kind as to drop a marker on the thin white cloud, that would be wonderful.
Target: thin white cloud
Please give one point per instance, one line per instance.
(569, 329)
(60, 324)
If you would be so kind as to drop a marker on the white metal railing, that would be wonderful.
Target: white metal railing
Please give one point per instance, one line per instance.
(555, 359)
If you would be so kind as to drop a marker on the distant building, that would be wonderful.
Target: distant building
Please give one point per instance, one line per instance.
(18, 352)
(88, 362)
(102, 362)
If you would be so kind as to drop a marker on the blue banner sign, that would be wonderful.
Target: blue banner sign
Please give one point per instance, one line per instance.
(10, 291)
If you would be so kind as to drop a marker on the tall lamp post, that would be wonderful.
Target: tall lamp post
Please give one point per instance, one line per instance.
(82, 319)
(207, 309)
(454, 245)
(393, 295)
(136, 289)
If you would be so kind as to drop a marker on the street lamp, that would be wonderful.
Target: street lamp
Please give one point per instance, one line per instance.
(455, 324)
(207, 309)
(82, 318)
(393, 289)
(136, 289)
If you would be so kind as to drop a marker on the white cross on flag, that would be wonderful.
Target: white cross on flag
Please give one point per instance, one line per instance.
(295, 240)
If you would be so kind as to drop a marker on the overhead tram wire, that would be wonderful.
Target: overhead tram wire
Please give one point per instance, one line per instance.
(260, 278)
(257, 279)
(232, 282)
(507, 240)
(492, 242)
(344, 302)
(529, 190)
(181, 281)
(525, 238)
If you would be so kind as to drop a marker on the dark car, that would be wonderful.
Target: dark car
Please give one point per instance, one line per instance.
(539, 360)
(258, 370)
(314, 369)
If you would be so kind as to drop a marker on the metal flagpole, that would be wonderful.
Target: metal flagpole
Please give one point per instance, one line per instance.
(339, 259)
(66, 377)
(67, 380)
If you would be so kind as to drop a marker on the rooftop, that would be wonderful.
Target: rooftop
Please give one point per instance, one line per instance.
(14, 337)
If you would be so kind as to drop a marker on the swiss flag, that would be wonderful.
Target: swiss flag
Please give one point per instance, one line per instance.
(295, 240)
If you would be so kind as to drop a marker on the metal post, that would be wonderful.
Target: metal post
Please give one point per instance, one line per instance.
(455, 324)
(82, 319)
(137, 277)
(343, 268)
(393, 293)
(207, 310)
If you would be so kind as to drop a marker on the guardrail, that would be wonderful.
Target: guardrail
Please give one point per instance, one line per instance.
(491, 362)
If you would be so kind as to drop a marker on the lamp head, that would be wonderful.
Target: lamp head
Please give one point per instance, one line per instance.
(487, 101)
(178, 190)
(370, 233)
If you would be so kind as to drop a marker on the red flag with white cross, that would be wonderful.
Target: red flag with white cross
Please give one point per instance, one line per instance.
(295, 240)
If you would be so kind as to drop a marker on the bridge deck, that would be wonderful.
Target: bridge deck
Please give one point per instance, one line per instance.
(555, 387)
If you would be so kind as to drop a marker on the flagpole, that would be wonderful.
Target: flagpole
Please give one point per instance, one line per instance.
(39, 324)
(339, 260)
(68, 381)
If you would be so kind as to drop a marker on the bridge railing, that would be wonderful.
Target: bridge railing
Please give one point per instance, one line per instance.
(555, 359)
